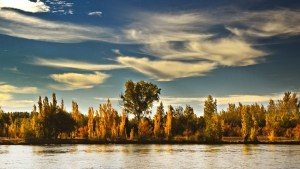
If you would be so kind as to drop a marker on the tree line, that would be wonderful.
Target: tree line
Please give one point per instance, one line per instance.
(50, 120)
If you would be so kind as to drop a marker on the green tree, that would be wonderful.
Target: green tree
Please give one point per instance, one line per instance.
(63, 123)
(189, 121)
(178, 119)
(246, 122)
(139, 97)
(213, 130)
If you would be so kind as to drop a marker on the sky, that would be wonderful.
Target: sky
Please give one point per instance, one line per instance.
(237, 51)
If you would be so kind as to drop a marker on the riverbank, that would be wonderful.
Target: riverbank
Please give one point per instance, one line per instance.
(226, 140)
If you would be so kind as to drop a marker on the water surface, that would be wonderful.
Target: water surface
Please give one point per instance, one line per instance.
(150, 156)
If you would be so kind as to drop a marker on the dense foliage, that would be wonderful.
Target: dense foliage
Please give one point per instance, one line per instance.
(48, 120)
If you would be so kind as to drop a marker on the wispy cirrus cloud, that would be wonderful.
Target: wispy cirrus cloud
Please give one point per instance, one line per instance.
(162, 70)
(184, 38)
(74, 81)
(12, 103)
(6, 88)
(177, 38)
(267, 23)
(25, 5)
(28, 27)
(7, 99)
(95, 13)
(12, 70)
(223, 51)
(72, 64)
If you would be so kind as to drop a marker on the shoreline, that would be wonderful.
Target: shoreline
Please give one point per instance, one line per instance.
(142, 142)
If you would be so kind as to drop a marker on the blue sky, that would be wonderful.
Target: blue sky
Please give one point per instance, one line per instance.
(237, 51)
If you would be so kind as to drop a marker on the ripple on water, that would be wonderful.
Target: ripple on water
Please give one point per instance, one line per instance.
(150, 156)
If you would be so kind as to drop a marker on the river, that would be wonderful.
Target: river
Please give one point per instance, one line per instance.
(150, 156)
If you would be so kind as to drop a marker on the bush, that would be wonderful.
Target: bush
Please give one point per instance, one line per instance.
(296, 132)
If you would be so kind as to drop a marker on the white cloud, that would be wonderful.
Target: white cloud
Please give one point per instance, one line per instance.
(13, 104)
(187, 36)
(267, 23)
(28, 27)
(117, 51)
(5, 88)
(95, 13)
(166, 70)
(67, 63)
(7, 100)
(105, 99)
(25, 5)
(163, 27)
(61, 7)
(5, 96)
(74, 81)
(224, 51)
(248, 98)
(223, 100)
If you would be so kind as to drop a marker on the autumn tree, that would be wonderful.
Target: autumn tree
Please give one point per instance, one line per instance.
(169, 122)
(26, 131)
(122, 126)
(158, 121)
(246, 122)
(97, 125)
(76, 116)
(91, 123)
(232, 120)
(139, 97)
(114, 124)
(272, 121)
(145, 129)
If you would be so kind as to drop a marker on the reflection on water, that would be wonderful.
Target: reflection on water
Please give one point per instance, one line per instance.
(150, 156)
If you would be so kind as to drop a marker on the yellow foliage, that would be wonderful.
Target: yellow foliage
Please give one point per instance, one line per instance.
(144, 129)
(296, 132)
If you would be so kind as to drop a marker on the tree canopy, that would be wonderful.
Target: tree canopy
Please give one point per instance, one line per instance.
(139, 97)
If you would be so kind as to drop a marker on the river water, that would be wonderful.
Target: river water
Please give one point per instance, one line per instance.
(150, 156)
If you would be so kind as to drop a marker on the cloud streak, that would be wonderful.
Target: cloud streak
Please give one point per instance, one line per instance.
(95, 13)
(166, 70)
(268, 23)
(72, 64)
(223, 100)
(25, 5)
(6, 88)
(28, 27)
(74, 81)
